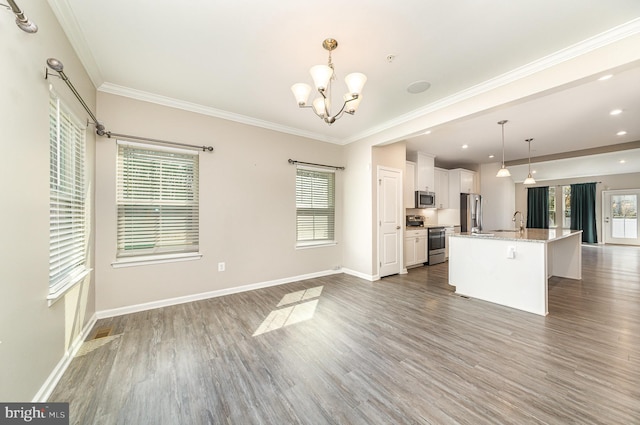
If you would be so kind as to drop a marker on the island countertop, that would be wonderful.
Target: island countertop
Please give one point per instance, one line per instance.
(529, 235)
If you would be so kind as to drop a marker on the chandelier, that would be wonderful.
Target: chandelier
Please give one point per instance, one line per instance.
(323, 76)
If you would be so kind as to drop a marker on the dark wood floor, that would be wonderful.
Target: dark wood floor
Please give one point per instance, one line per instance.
(403, 350)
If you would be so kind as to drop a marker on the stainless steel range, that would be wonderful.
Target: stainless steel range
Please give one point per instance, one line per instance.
(436, 245)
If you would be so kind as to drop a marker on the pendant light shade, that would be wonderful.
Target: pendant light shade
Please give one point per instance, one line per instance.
(529, 179)
(503, 172)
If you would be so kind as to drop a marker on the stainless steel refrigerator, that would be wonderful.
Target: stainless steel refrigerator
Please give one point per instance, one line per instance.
(470, 212)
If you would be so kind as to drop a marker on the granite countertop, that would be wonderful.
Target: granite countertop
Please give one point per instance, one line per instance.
(529, 235)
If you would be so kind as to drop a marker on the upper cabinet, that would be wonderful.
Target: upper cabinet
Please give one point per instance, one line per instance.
(462, 181)
(425, 172)
(409, 185)
(442, 188)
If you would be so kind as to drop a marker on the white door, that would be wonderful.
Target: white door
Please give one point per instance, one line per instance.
(390, 221)
(620, 216)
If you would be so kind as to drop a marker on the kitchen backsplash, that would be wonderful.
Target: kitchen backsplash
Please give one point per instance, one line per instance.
(434, 216)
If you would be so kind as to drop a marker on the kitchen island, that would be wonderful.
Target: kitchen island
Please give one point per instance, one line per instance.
(512, 268)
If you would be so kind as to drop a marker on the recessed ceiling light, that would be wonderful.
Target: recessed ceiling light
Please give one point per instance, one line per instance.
(533, 171)
(621, 133)
(427, 132)
(615, 112)
(605, 77)
(465, 146)
(491, 156)
(622, 161)
(418, 87)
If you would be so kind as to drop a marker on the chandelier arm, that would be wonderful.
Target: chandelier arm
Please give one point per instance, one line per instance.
(339, 114)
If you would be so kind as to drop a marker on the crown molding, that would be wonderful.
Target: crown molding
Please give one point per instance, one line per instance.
(603, 39)
(213, 112)
(69, 23)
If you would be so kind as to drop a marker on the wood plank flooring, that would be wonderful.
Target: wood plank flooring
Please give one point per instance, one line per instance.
(403, 350)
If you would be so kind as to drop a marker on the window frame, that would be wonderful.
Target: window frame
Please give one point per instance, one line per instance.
(553, 213)
(68, 206)
(312, 211)
(566, 206)
(175, 232)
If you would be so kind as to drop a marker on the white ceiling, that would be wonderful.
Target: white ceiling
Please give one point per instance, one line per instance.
(237, 60)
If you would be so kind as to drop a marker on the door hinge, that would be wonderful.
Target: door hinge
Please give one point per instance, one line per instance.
(380, 182)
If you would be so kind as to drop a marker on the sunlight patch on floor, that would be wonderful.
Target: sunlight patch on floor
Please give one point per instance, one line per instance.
(298, 296)
(91, 345)
(305, 303)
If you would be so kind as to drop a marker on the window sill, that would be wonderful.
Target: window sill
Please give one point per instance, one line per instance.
(307, 245)
(154, 259)
(53, 297)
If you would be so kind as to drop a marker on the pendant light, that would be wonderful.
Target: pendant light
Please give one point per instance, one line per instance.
(529, 179)
(503, 172)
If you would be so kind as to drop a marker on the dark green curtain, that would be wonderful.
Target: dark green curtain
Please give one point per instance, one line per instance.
(583, 211)
(538, 207)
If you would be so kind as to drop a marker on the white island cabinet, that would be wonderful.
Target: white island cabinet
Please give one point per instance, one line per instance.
(512, 268)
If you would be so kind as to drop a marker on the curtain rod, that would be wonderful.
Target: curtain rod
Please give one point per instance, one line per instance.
(109, 134)
(291, 161)
(57, 66)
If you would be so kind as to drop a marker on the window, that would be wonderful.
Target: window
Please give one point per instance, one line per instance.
(67, 212)
(315, 206)
(566, 207)
(157, 197)
(552, 206)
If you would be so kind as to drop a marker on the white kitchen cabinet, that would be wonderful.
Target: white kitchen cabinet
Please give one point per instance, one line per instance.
(409, 185)
(467, 181)
(425, 171)
(461, 181)
(442, 188)
(415, 247)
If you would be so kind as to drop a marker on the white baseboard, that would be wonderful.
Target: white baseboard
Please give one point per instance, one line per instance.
(370, 278)
(49, 385)
(206, 295)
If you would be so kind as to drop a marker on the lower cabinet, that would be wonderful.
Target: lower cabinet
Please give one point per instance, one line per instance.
(415, 247)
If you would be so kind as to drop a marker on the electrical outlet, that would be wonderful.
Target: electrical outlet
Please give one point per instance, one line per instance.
(221, 267)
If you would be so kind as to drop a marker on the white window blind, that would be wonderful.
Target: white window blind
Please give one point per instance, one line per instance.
(315, 206)
(67, 217)
(157, 196)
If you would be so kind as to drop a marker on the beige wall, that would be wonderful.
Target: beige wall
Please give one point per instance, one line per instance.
(498, 198)
(612, 182)
(358, 215)
(247, 206)
(33, 336)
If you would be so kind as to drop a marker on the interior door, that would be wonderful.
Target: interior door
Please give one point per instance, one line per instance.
(390, 221)
(620, 216)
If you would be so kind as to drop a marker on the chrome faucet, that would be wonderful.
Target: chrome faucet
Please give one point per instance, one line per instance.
(521, 220)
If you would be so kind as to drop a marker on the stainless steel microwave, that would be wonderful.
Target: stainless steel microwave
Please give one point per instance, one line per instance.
(425, 199)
